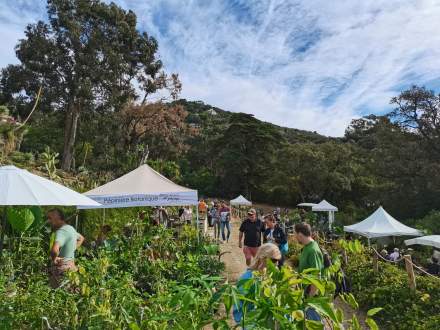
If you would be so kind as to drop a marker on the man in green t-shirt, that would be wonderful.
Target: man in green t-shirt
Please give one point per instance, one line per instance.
(62, 252)
(311, 257)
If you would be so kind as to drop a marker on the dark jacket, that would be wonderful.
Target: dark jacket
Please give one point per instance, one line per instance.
(278, 234)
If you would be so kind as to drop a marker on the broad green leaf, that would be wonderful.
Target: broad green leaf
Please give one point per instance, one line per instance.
(314, 325)
(351, 301)
(316, 282)
(324, 308)
(298, 315)
(374, 311)
(20, 218)
(134, 326)
(371, 323)
(355, 323)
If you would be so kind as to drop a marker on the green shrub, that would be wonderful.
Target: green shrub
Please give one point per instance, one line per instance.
(389, 289)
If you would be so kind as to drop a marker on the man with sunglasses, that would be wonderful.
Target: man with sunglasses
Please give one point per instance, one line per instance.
(251, 229)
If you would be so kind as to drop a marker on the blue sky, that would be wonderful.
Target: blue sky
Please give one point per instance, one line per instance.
(310, 64)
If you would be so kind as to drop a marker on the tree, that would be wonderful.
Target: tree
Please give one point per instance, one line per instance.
(159, 128)
(396, 167)
(311, 172)
(89, 57)
(246, 154)
(418, 110)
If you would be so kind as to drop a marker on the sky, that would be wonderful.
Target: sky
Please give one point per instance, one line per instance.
(307, 64)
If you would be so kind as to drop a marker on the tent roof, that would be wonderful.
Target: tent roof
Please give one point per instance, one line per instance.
(324, 206)
(431, 240)
(240, 200)
(142, 187)
(381, 224)
(307, 204)
(143, 180)
(20, 187)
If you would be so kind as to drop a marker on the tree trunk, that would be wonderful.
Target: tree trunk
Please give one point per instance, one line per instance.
(70, 127)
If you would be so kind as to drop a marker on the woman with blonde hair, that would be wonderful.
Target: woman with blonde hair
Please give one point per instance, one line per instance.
(266, 252)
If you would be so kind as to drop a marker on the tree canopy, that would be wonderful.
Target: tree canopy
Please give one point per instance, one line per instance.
(88, 57)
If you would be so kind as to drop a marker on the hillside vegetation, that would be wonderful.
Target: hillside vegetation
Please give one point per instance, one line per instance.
(95, 117)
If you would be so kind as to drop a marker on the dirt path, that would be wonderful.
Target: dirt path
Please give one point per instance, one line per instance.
(233, 258)
(235, 266)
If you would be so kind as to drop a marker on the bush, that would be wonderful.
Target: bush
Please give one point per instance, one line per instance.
(141, 281)
(389, 289)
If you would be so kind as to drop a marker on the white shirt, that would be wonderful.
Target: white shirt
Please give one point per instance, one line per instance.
(187, 214)
(269, 237)
(394, 256)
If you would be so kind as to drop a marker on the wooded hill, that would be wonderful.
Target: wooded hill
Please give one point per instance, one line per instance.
(94, 118)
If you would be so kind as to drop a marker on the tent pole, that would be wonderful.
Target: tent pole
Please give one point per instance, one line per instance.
(2, 237)
(76, 221)
(197, 223)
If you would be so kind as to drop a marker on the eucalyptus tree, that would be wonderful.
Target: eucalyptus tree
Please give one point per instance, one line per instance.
(87, 56)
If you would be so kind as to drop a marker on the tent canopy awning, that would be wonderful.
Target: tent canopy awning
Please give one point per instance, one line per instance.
(324, 206)
(240, 200)
(20, 187)
(307, 204)
(142, 187)
(381, 224)
(431, 240)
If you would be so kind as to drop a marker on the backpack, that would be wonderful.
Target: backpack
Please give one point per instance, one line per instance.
(342, 283)
(326, 258)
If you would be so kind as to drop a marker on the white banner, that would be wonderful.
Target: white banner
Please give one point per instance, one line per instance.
(162, 199)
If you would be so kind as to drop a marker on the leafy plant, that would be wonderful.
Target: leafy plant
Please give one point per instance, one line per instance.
(389, 289)
(20, 218)
(50, 160)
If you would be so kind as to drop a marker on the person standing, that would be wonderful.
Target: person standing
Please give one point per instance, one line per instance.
(187, 215)
(62, 253)
(395, 255)
(433, 267)
(310, 257)
(225, 217)
(202, 209)
(276, 235)
(215, 214)
(251, 229)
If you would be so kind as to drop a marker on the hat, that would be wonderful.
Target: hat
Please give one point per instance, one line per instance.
(252, 211)
(396, 250)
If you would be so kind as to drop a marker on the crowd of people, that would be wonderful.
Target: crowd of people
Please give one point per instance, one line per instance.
(433, 264)
(265, 240)
(261, 239)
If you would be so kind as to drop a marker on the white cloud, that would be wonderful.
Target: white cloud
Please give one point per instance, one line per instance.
(305, 64)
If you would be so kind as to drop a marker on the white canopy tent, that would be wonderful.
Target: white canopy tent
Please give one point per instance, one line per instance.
(20, 187)
(306, 204)
(240, 200)
(325, 206)
(142, 187)
(431, 240)
(381, 224)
